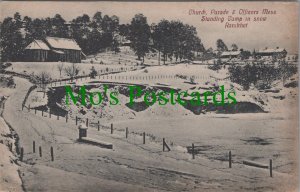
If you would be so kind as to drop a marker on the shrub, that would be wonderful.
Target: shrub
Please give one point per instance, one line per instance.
(93, 72)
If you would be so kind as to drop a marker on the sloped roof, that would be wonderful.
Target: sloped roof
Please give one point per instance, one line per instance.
(228, 53)
(62, 43)
(38, 44)
(279, 50)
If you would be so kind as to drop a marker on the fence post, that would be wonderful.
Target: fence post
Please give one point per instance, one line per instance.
(229, 159)
(40, 151)
(111, 128)
(22, 107)
(42, 112)
(126, 132)
(193, 150)
(163, 144)
(34, 111)
(22, 153)
(144, 138)
(98, 126)
(33, 146)
(270, 167)
(57, 117)
(49, 113)
(67, 118)
(76, 120)
(52, 154)
(87, 122)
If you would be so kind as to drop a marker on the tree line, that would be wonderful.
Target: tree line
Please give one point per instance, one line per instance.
(261, 75)
(171, 40)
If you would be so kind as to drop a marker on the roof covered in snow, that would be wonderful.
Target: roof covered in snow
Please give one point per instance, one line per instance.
(266, 50)
(228, 53)
(62, 43)
(38, 44)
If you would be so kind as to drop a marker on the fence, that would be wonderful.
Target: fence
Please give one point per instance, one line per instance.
(144, 136)
(129, 78)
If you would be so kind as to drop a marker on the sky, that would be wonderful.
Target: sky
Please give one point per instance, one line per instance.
(279, 30)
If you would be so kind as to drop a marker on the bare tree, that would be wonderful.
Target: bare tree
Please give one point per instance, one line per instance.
(72, 71)
(43, 78)
(60, 67)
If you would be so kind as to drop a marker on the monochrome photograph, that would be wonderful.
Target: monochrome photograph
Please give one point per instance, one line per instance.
(149, 96)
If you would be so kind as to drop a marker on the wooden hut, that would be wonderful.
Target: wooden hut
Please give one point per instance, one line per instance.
(37, 51)
(54, 49)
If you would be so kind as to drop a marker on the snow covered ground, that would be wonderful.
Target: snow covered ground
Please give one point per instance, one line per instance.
(102, 62)
(133, 166)
(9, 176)
(36, 68)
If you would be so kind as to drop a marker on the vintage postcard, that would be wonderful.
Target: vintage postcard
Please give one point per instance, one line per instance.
(149, 96)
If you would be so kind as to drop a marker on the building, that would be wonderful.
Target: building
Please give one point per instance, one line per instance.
(271, 53)
(54, 49)
(37, 51)
(291, 58)
(230, 54)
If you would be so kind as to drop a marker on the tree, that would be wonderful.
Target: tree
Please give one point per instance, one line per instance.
(234, 47)
(97, 19)
(175, 39)
(124, 30)
(43, 78)
(72, 70)
(198, 46)
(58, 27)
(139, 36)
(28, 25)
(221, 46)
(162, 38)
(115, 46)
(80, 31)
(12, 43)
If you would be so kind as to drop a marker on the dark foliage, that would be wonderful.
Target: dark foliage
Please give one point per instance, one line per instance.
(173, 39)
(261, 75)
